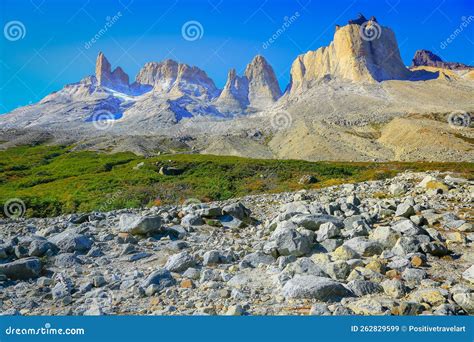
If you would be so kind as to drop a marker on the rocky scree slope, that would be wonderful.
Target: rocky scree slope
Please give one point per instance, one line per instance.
(401, 246)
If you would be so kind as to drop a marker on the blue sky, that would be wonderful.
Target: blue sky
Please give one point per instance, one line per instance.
(52, 51)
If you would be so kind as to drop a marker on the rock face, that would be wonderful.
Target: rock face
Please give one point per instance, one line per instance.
(234, 96)
(257, 89)
(177, 78)
(117, 79)
(263, 84)
(428, 58)
(367, 52)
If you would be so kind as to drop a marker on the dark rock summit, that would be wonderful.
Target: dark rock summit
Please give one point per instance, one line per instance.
(428, 58)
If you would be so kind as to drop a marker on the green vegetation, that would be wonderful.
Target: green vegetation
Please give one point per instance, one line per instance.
(52, 180)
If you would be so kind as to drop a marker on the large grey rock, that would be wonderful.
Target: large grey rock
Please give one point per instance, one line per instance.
(70, 242)
(237, 210)
(257, 258)
(314, 287)
(328, 230)
(364, 247)
(140, 225)
(465, 301)
(364, 287)
(211, 258)
(192, 220)
(304, 266)
(291, 209)
(41, 247)
(386, 236)
(180, 262)
(407, 228)
(405, 209)
(66, 260)
(314, 221)
(436, 248)
(414, 275)
(162, 278)
(287, 240)
(397, 189)
(406, 245)
(22, 269)
(338, 270)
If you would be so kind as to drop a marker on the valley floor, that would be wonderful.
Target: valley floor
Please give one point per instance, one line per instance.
(400, 246)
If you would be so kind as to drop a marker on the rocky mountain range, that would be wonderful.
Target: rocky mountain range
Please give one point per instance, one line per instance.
(351, 100)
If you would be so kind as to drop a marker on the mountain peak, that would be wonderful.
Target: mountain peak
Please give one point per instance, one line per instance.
(117, 79)
(263, 84)
(362, 50)
(170, 76)
(428, 58)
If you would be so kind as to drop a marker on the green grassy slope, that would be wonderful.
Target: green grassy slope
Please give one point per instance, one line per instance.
(52, 180)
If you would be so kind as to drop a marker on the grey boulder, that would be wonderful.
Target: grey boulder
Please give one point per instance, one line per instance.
(314, 287)
(22, 269)
(140, 225)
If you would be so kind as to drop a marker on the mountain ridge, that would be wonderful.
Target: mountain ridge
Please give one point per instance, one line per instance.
(335, 95)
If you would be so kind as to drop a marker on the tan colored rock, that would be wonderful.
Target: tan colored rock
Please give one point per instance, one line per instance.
(176, 78)
(116, 79)
(262, 82)
(352, 56)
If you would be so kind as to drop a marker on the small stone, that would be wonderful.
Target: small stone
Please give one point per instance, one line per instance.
(376, 266)
(235, 310)
(416, 261)
(394, 288)
(319, 309)
(344, 253)
(366, 306)
(44, 282)
(392, 274)
(187, 284)
(211, 258)
(338, 270)
(99, 281)
(469, 274)
(180, 262)
(364, 287)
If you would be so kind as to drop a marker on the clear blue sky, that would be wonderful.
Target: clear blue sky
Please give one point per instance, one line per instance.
(52, 53)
